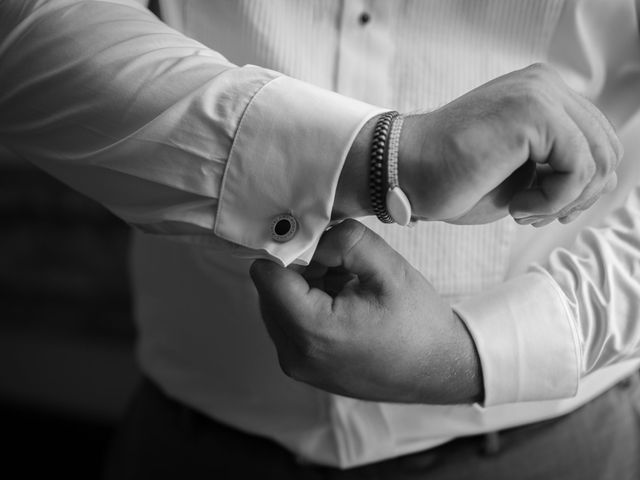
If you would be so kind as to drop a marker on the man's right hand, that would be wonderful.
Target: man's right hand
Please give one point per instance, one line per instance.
(523, 143)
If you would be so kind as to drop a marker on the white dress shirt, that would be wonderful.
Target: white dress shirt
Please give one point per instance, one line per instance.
(202, 155)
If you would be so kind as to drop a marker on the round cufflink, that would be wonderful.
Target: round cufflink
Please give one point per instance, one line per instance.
(283, 227)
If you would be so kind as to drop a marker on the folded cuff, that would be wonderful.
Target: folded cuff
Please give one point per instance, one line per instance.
(286, 159)
(526, 340)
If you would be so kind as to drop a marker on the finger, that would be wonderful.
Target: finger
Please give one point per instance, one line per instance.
(567, 213)
(527, 220)
(606, 125)
(602, 143)
(336, 280)
(611, 184)
(580, 208)
(571, 170)
(285, 296)
(569, 122)
(359, 250)
(609, 187)
(571, 217)
(581, 109)
(563, 217)
(314, 275)
(542, 223)
(495, 204)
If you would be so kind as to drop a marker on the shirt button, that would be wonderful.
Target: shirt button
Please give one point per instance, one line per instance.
(283, 227)
(364, 18)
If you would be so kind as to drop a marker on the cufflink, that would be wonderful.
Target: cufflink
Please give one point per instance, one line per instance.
(283, 227)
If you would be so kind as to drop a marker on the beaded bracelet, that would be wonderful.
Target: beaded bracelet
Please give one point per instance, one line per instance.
(377, 172)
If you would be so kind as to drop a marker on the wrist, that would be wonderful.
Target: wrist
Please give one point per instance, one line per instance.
(430, 178)
(470, 388)
(453, 374)
(411, 163)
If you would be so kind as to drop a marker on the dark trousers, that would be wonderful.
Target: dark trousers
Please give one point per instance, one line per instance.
(162, 439)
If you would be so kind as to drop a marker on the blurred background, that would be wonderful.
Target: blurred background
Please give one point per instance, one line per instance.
(66, 333)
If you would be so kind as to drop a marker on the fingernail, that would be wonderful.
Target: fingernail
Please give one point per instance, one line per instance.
(542, 223)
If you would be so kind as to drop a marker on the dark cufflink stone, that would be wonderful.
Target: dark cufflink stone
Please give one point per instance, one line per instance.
(283, 227)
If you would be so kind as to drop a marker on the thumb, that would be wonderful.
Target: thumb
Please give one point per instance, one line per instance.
(285, 296)
(359, 250)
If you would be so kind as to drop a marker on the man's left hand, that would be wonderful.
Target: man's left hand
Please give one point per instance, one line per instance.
(361, 322)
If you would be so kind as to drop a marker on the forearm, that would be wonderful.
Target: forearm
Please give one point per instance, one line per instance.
(539, 333)
(466, 384)
(452, 372)
(165, 132)
(597, 280)
(103, 94)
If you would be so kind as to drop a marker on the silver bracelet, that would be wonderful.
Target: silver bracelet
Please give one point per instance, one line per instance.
(397, 204)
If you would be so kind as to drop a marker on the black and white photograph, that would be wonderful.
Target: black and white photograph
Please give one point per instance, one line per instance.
(320, 239)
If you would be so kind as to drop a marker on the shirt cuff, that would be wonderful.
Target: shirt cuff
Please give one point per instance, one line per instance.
(286, 159)
(526, 340)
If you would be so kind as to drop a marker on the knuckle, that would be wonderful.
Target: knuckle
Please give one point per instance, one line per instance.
(591, 169)
(604, 159)
(527, 97)
(541, 71)
(535, 84)
(619, 150)
(587, 173)
(612, 183)
(531, 97)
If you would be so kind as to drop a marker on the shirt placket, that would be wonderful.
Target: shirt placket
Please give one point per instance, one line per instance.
(365, 51)
(363, 71)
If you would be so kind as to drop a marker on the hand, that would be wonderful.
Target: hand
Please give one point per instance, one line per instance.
(361, 322)
(524, 144)
(526, 119)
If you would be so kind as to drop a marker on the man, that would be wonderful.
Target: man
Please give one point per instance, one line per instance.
(181, 143)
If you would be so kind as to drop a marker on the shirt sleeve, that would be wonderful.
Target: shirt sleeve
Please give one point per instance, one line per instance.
(165, 132)
(539, 333)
